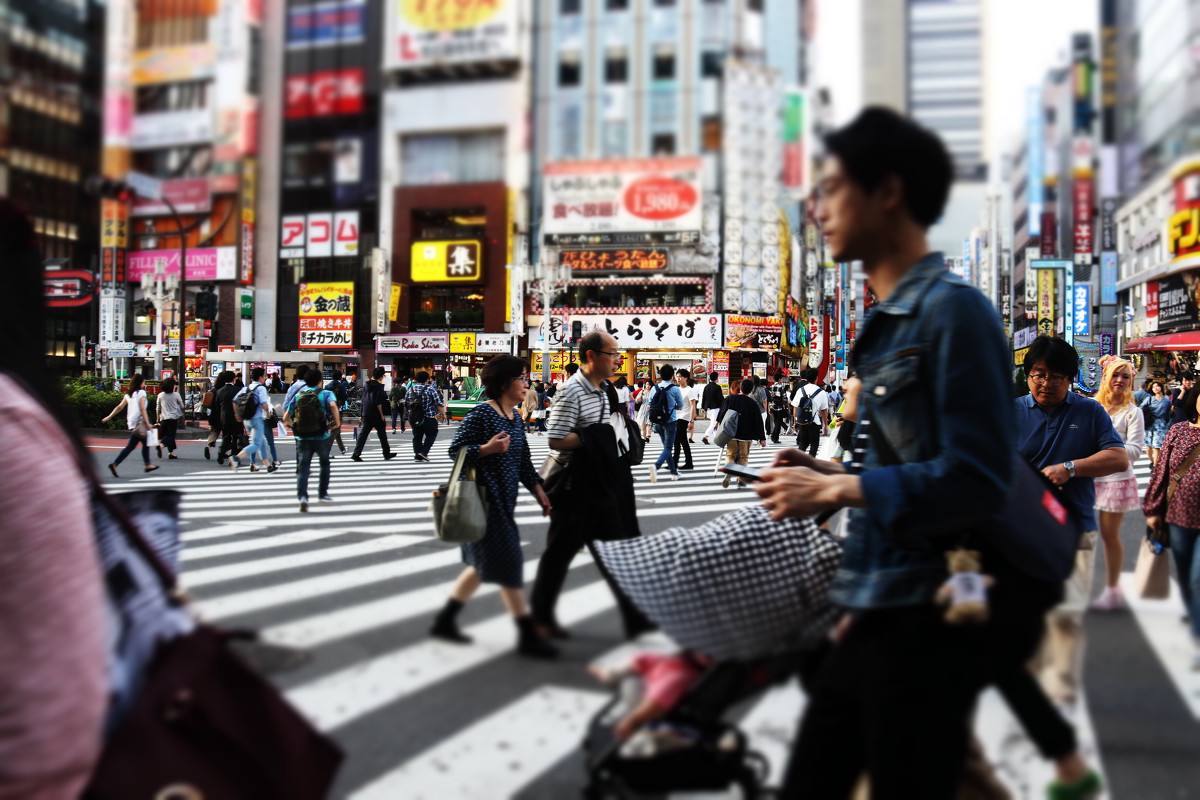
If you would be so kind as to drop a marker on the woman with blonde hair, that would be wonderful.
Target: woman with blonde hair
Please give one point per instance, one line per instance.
(1118, 494)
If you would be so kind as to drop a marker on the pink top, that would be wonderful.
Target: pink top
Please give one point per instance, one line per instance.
(53, 687)
(667, 677)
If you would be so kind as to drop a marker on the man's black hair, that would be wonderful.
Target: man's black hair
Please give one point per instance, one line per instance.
(422, 377)
(747, 385)
(313, 377)
(572, 368)
(337, 375)
(257, 373)
(1055, 353)
(666, 372)
(686, 373)
(879, 142)
(712, 376)
(379, 372)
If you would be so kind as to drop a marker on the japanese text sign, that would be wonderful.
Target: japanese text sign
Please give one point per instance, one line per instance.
(327, 315)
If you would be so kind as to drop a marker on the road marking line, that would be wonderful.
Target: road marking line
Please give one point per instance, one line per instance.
(498, 754)
(1170, 639)
(771, 726)
(195, 553)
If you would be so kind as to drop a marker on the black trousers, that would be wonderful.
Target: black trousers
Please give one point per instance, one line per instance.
(425, 434)
(778, 420)
(895, 698)
(167, 429)
(808, 437)
(681, 441)
(231, 440)
(372, 423)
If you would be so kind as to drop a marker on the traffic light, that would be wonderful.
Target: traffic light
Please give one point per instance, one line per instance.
(206, 305)
(576, 330)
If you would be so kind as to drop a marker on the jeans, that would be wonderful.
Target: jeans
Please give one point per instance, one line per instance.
(305, 448)
(398, 414)
(666, 435)
(681, 442)
(135, 436)
(808, 437)
(269, 430)
(778, 424)
(425, 433)
(373, 423)
(894, 699)
(1187, 567)
(258, 441)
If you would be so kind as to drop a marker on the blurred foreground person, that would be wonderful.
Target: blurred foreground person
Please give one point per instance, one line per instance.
(895, 697)
(53, 687)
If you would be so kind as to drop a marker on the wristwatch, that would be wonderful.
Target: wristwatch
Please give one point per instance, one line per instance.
(1069, 466)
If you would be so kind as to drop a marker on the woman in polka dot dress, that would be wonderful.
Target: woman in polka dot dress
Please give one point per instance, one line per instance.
(494, 437)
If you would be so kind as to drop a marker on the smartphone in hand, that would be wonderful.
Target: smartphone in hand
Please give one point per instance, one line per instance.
(742, 471)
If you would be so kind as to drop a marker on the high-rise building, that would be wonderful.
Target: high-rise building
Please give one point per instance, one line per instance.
(50, 57)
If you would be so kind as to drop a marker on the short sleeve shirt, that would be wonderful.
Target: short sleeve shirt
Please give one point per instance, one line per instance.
(133, 409)
(820, 400)
(577, 405)
(431, 399)
(325, 397)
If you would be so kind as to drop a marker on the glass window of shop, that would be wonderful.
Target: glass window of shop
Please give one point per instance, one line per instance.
(442, 158)
(633, 295)
(448, 306)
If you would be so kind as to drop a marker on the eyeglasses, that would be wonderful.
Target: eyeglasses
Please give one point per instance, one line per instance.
(1047, 377)
(610, 353)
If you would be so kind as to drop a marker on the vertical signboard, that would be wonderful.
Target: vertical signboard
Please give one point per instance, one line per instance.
(1082, 303)
(1034, 161)
(1046, 293)
(327, 315)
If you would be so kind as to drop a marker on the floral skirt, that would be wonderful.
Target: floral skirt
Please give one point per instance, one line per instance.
(1118, 497)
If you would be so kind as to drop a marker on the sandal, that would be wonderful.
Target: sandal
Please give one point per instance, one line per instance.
(151, 468)
(113, 469)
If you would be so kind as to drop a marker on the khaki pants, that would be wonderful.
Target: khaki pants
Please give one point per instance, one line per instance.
(1060, 661)
(737, 452)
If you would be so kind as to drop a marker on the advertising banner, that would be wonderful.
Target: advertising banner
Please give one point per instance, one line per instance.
(462, 343)
(598, 198)
(1083, 309)
(1108, 223)
(188, 62)
(1047, 295)
(458, 261)
(1035, 163)
(320, 235)
(327, 315)
(633, 331)
(795, 177)
(1152, 300)
(421, 33)
(1108, 278)
(416, 343)
(649, 259)
(324, 94)
(172, 128)
(394, 303)
(493, 342)
(1084, 201)
(1177, 300)
(203, 263)
(753, 333)
(327, 24)
(345, 233)
(188, 195)
(1048, 237)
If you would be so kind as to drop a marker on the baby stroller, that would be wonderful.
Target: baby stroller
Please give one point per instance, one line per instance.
(745, 591)
(713, 755)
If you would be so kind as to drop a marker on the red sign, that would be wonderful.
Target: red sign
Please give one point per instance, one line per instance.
(1049, 235)
(247, 271)
(658, 197)
(1152, 299)
(188, 195)
(1084, 201)
(69, 288)
(324, 94)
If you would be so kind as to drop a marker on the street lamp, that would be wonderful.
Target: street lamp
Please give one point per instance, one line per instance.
(551, 280)
(159, 288)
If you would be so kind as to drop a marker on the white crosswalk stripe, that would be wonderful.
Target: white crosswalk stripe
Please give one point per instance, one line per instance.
(368, 564)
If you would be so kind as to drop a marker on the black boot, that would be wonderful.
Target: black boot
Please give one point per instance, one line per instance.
(446, 627)
(529, 641)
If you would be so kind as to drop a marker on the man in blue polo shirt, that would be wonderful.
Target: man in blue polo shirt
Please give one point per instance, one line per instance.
(1071, 439)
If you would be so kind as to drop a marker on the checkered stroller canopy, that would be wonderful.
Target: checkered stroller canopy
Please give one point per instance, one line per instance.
(741, 586)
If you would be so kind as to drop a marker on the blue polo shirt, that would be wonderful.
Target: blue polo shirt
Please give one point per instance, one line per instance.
(1079, 428)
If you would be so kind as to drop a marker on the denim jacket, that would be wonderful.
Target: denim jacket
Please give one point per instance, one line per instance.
(933, 363)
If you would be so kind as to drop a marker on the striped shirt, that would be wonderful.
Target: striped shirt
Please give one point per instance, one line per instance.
(577, 405)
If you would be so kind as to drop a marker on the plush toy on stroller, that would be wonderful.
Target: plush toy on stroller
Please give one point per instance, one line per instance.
(744, 598)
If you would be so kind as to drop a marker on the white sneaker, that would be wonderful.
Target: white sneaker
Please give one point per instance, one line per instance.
(653, 474)
(674, 476)
(1110, 599)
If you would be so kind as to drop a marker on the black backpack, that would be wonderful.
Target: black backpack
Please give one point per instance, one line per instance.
(247, 406)
(658, 406)
(414, 404)
(309, 419)
(779, 397)
(804, 412)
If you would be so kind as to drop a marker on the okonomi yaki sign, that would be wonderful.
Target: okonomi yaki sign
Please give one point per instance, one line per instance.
(596, 202)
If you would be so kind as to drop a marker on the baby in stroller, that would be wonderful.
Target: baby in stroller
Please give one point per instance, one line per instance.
(744, 599)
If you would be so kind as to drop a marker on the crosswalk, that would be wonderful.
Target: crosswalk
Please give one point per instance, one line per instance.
(353, 584)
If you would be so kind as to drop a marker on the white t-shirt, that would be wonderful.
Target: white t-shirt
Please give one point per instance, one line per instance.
(623, 394)
(133, 409)
(820, 400)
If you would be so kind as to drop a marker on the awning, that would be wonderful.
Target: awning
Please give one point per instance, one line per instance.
(1188, 340)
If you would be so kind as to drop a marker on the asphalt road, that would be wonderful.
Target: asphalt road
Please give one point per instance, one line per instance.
(345, 594)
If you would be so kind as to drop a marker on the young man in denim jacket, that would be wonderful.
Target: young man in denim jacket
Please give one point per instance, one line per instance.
(896, 695)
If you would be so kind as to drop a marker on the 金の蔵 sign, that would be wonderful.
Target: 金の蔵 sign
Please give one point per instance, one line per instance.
(327, 315)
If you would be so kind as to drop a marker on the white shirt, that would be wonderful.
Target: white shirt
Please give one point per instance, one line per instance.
(133, 409)
(820, 400)
(685, 412)
(623, 394)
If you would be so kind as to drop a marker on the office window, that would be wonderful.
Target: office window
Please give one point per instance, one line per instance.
(429, 159)
(616, 5)
(711, 63)
(664, 63)
(615, 132)
(663, 144)
(616, 67)
(569, 6)
(569, 72)
(754, 5)
(664, 3)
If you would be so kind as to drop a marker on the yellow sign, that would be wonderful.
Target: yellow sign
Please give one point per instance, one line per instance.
(1183, 231)
(1019, 357)
(327, 315)
(394, 303)
(462, 343)
(459, 261)
(1047, 301)
(559, 360)
(442, 16)
(170, 64)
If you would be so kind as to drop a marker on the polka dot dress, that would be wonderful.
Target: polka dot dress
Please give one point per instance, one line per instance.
(497, 556)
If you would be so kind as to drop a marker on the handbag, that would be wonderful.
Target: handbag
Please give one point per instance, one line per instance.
(459, 506)
(1152, 574)
(728, 429)
(199, 722)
